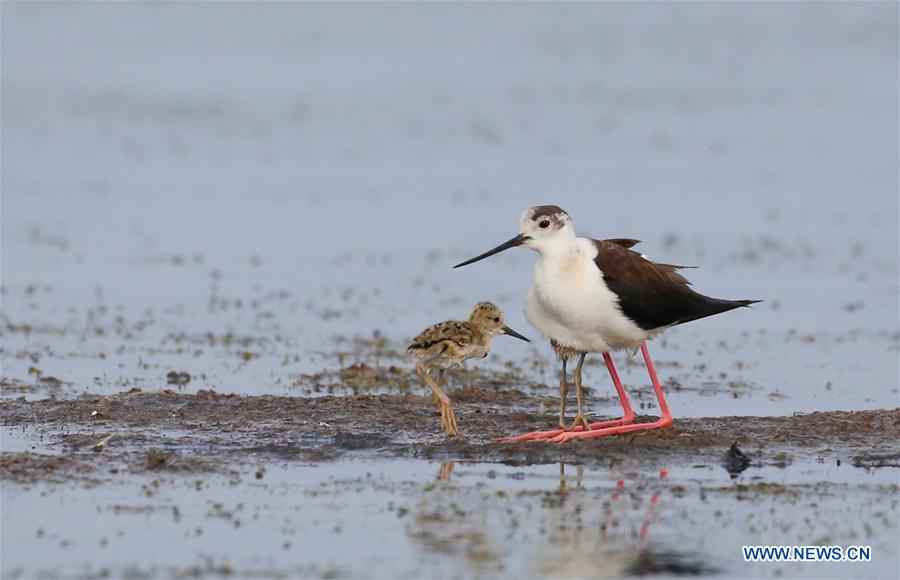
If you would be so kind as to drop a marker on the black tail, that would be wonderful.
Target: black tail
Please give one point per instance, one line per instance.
(707, 306)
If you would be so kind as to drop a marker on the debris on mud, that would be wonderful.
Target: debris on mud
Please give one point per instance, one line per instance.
(876, 460)
(45, 385)
(348, 440)
(100, 445)
(157, 459)
(178, 378)
(735, 460)
(32, 467)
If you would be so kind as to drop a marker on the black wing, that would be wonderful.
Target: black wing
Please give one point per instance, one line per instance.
(654, 295)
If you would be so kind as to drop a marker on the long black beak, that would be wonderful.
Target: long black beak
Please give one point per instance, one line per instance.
(516, 241)
(511, 332)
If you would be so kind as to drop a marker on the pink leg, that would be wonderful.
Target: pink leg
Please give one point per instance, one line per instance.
(536, 435)
(626, 419)
(533, 436)
(664, 421)
(628, 416)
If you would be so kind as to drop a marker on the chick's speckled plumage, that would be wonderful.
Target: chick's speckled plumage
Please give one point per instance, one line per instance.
(450, 343)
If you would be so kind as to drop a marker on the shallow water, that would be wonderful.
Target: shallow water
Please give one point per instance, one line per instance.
(416, 518)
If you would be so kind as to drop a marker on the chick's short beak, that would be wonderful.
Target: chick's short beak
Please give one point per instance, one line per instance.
(511, 332)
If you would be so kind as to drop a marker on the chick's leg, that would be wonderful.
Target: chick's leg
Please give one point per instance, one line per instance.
(448, 420)
(448, 408)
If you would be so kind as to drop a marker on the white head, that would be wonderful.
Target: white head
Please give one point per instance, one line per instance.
(542, 228)
(546, 226)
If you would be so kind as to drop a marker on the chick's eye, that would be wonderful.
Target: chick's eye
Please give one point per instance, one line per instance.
(544, 224)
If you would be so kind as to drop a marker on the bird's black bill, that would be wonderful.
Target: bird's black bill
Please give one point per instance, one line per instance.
(516, 241)
(511, 332)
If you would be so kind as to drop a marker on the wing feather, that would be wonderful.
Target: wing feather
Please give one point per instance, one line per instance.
(452, 330)
(652, 295)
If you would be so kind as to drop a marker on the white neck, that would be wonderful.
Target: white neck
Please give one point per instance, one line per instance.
(559, 248)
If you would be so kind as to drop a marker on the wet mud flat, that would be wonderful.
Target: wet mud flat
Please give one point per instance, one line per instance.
(215, 430)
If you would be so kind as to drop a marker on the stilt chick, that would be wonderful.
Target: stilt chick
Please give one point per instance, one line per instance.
(451, 343)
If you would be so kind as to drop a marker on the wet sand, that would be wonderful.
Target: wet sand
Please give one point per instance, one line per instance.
(213, 430)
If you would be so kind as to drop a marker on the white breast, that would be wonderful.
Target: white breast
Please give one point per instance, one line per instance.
(570, 303)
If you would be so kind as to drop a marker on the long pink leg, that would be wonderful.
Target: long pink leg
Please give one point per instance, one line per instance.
(626, 419)
(628, 416)
(536, 435)
(664, 421)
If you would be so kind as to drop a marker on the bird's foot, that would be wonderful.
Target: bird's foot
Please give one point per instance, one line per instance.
(626, 420)
(541, 435)
(576, 428)
(580, 423)
(533, 436)
(604, 432)
(448, 419)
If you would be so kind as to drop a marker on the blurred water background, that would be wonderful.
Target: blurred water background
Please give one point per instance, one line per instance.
(238, 190)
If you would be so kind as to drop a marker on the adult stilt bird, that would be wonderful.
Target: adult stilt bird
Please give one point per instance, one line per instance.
(600, 296)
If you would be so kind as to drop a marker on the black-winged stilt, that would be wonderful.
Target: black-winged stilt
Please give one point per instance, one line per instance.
(599, 296)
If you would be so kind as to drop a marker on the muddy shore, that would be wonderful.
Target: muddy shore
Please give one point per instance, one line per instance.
(209, 431)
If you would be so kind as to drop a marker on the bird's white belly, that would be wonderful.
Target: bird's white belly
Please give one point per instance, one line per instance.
(570, 304)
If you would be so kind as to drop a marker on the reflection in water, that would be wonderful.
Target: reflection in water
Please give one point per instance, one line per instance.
(645, 527)
(654, 499)
(579, 474)
(581, 523)
(444, 523)
(446, 470)
(575, 547)
(620, 496)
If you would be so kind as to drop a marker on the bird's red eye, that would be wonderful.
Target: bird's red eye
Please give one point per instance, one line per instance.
(544, 224)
